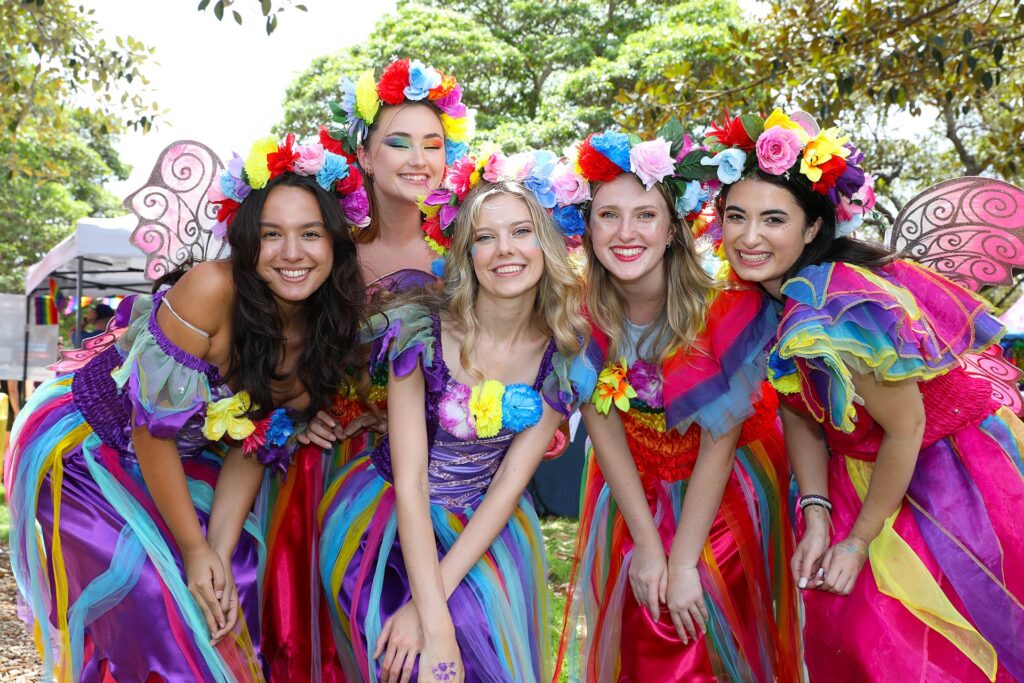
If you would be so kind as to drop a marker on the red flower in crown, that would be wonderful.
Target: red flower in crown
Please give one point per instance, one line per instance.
(227, 210)
(596, 167)
(731, 133)
(830, 172)
(352, 182)
(329, 143)
(392, 83)
(283, 160)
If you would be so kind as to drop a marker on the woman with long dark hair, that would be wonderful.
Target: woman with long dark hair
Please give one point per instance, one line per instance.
(912, 552)
(130, 480)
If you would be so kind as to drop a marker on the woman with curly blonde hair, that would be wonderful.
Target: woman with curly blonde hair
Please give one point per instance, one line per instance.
(692, 437)
(430, 549)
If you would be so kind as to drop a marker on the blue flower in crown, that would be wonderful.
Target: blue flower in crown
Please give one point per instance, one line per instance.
(614, 146)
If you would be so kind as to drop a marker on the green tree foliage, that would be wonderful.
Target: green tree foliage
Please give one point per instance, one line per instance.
(268, 9)
(55, 153)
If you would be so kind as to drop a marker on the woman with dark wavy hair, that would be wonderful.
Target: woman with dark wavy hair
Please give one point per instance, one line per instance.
(911, 556)
(130, 479)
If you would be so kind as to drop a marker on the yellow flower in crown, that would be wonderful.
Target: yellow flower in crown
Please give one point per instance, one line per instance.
(227, 416)
(458, 129)
(820, 150)
(367, 101)
(256, 169)
(612, 387)
(777, 118)
(485, 407)
(428, 210)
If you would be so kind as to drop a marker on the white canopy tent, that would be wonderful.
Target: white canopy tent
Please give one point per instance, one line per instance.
(96, 260)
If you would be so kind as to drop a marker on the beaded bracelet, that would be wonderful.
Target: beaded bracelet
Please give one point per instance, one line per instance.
(814, 499)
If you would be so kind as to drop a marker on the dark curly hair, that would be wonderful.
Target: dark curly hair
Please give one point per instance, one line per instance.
(333, 313)
(825, 247)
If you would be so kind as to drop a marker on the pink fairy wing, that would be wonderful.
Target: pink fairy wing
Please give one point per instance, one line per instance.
(73, 359)
(970, 230)
(1001, 374)
(175, 217)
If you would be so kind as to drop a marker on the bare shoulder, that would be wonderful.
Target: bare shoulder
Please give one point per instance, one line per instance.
(204, 295)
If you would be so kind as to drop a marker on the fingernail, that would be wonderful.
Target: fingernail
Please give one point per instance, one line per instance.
(821, 571)
(803, 582)
(220, 594)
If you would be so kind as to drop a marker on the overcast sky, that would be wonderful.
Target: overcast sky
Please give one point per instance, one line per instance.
(224, 84)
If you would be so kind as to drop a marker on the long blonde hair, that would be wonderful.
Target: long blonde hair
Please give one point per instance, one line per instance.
(558, 307)
(688, 292)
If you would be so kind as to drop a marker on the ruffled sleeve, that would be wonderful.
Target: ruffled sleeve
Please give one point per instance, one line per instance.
(404, 336)
(570, 382)
(164, 384)
(899, 322)
(717, 381)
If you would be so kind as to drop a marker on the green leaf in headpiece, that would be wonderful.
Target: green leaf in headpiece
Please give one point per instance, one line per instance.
(690, 168)
(753, 125)
(674, 133)
(338, 114)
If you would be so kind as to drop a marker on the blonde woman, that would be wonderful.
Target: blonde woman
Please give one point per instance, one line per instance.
(430, 550)
(684, 538)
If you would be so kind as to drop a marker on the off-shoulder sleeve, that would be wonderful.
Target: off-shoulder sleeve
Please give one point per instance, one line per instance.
(571, 380)
(165, 384)
(899, 322)
(717, 382)
(404, 336)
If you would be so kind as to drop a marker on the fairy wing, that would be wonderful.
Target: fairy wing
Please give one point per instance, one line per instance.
(175, 216)
(971, 230)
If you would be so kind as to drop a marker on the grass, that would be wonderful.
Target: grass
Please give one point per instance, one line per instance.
(560, 541)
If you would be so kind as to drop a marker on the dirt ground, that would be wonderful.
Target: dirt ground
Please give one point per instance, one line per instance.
(18, 660)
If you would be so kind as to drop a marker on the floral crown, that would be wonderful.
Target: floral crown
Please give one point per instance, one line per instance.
(793, 146)
(268, 158)
(404, 81)
(555, 185)
(670, 158)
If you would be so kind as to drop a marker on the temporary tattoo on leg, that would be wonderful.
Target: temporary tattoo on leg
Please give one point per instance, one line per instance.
(444, 671)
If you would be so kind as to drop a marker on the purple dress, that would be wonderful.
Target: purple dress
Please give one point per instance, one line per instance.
(95, 564)
(500, 609)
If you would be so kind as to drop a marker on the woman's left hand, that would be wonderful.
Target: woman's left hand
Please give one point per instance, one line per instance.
(686, 602)
(842, 564)
(228, 600)
(400, 641)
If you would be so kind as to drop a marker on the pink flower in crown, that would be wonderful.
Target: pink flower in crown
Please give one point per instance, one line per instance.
(453, 413)
(651, 161)
(862, 201)
(310, 158)
(686, 148)
(570, 188)
(646, 381)
(494, 168)
(777, 149)
(460, 177)
(356, 207)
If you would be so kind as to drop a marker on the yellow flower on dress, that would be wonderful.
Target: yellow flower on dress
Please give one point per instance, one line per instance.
(256, 168)
(227, 416)
(485, 407)
(458, 130)
(777, 118)
(820, 150)
(367, 100)
(612, 387)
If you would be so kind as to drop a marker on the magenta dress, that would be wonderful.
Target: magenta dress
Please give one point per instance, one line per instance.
(95, 565)
(940, 598)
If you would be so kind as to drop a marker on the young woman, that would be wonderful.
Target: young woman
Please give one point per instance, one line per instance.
(401, 128)
(912, 552)
(127, 517)
(430, 550)
(684, 536)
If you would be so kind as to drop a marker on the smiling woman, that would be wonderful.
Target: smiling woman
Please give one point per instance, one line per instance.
(131, 479)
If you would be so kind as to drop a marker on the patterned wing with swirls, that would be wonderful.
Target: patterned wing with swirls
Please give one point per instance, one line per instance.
(970, 230)
(175, 217)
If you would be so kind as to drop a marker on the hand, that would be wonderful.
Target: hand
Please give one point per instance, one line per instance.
(323, 430)
(400, 641)
(228, 600)
(648, 577)
(205, 575)
(686, 602)
(806, 562)
(441, 661)
(842, 564)
(373, 420)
